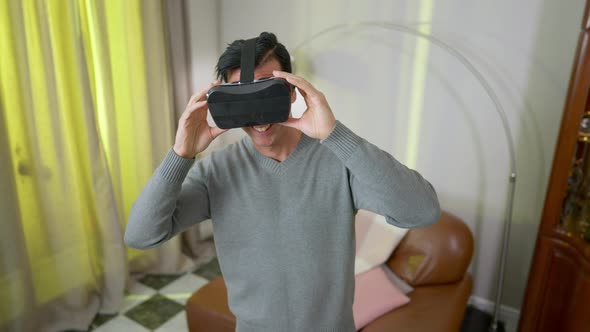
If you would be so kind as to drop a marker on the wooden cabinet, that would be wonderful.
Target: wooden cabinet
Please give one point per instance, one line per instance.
(562, 297)
(558, 290)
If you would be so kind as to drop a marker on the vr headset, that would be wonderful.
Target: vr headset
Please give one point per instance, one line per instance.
(248, 102)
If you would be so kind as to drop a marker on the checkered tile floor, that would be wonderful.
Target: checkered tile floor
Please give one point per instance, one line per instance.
(156, 302)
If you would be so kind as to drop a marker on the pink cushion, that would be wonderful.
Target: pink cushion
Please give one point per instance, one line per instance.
(374, 295)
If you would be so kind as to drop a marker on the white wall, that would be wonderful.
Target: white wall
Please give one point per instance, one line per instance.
(413, 99)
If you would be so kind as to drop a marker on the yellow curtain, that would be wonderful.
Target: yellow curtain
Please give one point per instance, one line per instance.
(84, 119)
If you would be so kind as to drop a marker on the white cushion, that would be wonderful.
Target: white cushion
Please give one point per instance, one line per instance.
(375, 240)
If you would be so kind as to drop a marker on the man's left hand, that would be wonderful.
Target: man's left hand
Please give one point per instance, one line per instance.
(318, 120)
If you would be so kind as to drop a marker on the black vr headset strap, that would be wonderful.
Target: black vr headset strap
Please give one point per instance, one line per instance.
(248, 61)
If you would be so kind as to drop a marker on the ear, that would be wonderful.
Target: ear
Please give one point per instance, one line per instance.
(293, 95)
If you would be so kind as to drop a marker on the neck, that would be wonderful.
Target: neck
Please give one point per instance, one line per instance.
(281, 149)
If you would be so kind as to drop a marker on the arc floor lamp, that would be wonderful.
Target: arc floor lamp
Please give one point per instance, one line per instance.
(499, 111)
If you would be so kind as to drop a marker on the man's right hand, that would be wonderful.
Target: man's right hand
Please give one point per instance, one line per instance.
(194, 134)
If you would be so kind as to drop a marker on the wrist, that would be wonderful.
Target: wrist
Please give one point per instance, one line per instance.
(342, 141)
(329, 131)
(184, 153)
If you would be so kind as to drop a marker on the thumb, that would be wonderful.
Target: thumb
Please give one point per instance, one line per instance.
(216, 131)
(291, 122)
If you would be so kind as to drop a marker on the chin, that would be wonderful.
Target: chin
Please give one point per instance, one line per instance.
(265, 138)
(262, 142)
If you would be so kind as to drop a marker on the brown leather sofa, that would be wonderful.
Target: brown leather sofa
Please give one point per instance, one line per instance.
(433, 260)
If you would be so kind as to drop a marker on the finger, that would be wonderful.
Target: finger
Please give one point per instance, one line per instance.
(299, 82)
(284, 74)
(203, 93)
(303, 94)
(192, 100)
(196, 106)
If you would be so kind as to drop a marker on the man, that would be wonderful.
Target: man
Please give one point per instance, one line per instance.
(282, 201)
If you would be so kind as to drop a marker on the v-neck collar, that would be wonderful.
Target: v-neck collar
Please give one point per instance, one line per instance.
(276, 166)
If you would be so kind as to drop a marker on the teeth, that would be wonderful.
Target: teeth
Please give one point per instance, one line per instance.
(261, 128)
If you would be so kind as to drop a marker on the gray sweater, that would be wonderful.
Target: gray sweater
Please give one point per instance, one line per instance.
(284, 231)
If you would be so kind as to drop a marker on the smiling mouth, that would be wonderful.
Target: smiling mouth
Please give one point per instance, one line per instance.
(262, 129)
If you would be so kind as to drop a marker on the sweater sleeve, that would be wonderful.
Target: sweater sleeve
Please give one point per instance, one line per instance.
(381, 184)
(175, 198)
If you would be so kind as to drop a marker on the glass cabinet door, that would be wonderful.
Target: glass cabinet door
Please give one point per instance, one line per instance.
(575, 214)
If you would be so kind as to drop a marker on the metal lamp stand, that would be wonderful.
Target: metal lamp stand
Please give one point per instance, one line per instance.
(494, 326)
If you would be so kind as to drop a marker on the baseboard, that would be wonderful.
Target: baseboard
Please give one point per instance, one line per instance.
(508, 315)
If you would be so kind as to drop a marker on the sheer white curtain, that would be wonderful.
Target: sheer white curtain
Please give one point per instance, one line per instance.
(86, 115)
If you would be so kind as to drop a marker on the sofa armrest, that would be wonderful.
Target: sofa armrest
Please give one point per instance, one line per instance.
(436, 254)
(438, 308)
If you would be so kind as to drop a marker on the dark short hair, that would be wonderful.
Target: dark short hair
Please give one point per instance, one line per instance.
(266, 45)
